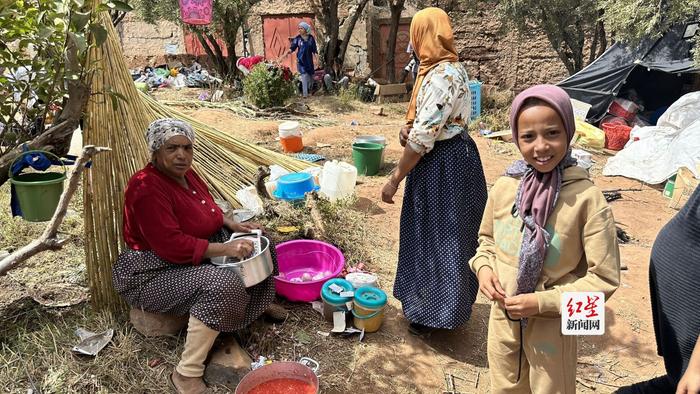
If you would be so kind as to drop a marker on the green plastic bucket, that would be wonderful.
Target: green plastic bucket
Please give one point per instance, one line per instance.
(38, 192)
(367, 157)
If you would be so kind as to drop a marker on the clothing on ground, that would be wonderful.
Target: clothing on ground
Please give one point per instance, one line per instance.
(442, 206)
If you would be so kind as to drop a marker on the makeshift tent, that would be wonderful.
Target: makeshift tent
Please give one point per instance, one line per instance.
(660, 71)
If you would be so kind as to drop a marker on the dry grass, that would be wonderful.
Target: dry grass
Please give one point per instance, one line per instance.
(345, 227)
(36, 340)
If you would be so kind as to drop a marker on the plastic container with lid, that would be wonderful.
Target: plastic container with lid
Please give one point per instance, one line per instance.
(337, 180)
(290, 137)
(368, 308)
(333, 302)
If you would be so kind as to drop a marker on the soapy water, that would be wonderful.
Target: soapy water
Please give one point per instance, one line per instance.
(301, 276)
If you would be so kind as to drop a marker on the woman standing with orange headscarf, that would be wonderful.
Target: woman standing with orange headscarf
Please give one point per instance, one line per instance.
(445, 191)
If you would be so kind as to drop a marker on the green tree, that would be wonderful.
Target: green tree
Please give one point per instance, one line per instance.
(630, 21)
(43, 50)
(227, 19)
(567, 24)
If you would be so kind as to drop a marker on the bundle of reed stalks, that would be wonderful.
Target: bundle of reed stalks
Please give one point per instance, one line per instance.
(117, 116)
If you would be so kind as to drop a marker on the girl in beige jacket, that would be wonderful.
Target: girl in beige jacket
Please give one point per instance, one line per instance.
(547, 229)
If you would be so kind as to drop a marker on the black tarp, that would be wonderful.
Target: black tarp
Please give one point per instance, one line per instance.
(601, 81)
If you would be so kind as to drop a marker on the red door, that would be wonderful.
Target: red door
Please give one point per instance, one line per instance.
(381, 50)
(194, 47)
(278, 31)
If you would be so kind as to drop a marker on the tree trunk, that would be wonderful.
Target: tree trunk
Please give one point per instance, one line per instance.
(230, 37)
(396, 9)
(205, 45)
(350, 28)
(332, 27)
(219, 55)
(602, 36)
(56, 139)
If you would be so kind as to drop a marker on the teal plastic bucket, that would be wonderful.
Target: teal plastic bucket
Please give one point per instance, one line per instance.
(333, 302)
(38, 193)
(367, 157)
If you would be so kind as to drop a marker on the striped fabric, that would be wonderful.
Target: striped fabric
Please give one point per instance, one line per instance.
(674, 275)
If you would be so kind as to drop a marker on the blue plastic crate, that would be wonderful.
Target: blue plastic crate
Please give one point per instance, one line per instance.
(475, 89)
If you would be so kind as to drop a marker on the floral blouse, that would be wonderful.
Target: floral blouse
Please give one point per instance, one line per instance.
(443, 107)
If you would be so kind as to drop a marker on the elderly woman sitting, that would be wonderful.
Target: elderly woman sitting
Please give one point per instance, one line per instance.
(172, 227)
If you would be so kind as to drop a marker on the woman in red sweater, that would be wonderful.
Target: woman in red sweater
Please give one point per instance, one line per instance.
(172, 226)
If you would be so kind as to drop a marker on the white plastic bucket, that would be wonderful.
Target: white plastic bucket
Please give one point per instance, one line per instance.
(337, 180)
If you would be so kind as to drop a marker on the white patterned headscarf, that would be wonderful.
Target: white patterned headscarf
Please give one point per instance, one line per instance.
(162, 130)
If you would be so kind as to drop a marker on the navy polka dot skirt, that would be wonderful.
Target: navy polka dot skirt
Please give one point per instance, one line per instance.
(216, 296)
(442, 208)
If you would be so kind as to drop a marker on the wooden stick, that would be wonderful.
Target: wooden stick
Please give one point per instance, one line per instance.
(49, 239)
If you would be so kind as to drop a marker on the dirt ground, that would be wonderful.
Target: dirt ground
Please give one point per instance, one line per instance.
(392, 361)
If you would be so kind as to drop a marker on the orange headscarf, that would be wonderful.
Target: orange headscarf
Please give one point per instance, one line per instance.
(432, 40)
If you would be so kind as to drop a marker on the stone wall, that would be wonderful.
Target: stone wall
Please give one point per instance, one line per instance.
(492, 55)
(144, 43)
(503, 58)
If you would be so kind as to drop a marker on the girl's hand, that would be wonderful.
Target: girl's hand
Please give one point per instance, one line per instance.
(690, 382)
(490, 286)
(388, 192)
(522, 306)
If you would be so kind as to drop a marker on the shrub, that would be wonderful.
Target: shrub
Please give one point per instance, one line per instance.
(268, 86)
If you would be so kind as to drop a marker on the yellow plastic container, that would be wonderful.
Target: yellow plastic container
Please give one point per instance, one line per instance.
(368, 308)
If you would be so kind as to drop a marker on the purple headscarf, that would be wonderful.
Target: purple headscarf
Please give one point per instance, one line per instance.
(538, 192)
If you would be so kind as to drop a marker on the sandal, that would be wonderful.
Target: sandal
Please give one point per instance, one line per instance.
(419, 329)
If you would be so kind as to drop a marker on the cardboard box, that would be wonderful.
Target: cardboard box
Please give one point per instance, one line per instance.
(684, 187)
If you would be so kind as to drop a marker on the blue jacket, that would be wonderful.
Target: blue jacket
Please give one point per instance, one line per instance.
(305, 53)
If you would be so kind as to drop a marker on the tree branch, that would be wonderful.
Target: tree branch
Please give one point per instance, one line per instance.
(56, 139)
(350, 28)
(49, 239)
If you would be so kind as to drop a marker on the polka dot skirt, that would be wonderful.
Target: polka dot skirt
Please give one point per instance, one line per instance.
(214, 295)
(442, 208)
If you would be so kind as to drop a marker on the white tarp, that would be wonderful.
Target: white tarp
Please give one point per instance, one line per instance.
(662, 149)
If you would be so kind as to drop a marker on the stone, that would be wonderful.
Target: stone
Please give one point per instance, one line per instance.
(155, 324)
(228, 363)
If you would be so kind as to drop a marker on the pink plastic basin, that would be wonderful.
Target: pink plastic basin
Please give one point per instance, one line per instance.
(296, 258)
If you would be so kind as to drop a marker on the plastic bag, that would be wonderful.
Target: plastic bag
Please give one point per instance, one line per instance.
(589, 136)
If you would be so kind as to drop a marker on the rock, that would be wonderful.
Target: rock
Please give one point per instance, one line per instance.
(228, 363)
(155, 324)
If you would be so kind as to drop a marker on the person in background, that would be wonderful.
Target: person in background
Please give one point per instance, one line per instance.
(674, 274)
(547, 229)
(413, 64)
(305, 46)
(445, 191)
(336, 79)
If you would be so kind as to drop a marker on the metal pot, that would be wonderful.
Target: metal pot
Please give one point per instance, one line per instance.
(304, 370)
(253, 270)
